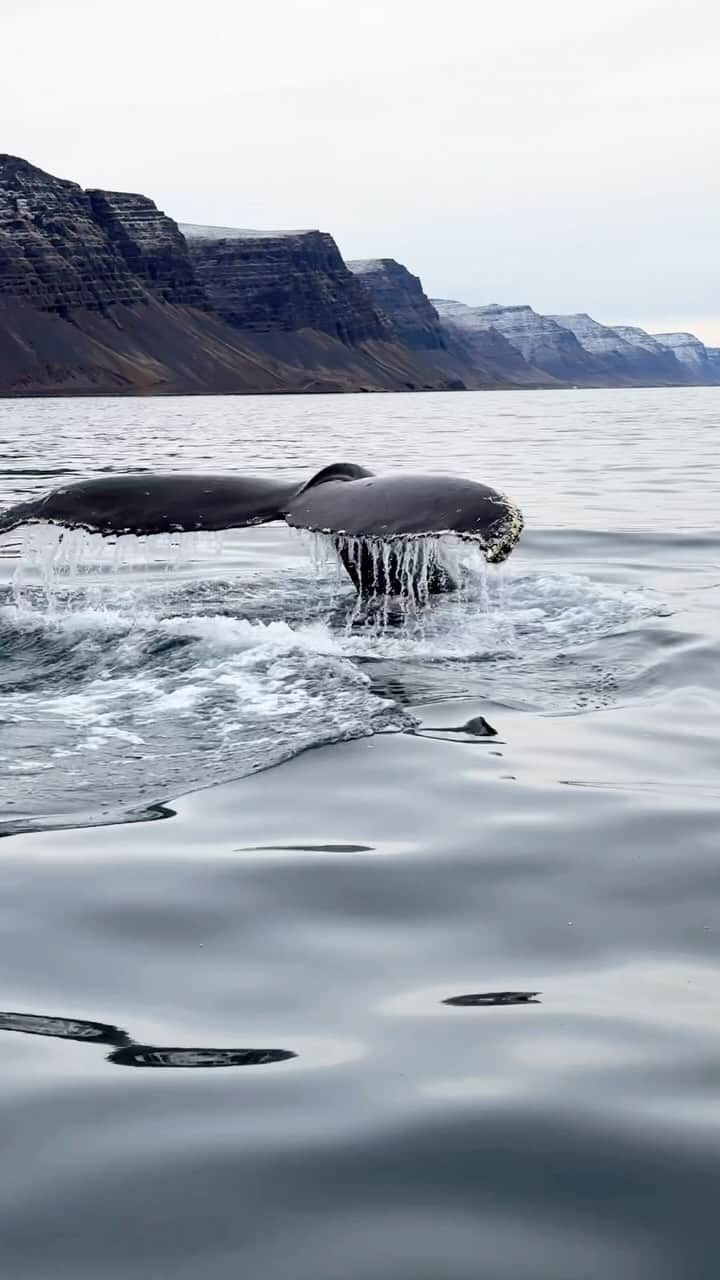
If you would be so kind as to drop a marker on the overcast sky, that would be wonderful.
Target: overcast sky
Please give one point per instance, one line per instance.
(558, 152)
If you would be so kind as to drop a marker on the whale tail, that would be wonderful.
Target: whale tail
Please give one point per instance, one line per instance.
(385, 528)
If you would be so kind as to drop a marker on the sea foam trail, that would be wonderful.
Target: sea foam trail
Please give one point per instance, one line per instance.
(129, 678)
(111, 710)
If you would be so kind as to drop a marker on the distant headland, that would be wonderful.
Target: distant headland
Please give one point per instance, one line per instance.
(102, 293)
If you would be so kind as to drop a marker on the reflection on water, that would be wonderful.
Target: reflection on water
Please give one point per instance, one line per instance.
(128, 1053)
(37, 1024)
(306, 848)
(147, 1055)
(494, 998)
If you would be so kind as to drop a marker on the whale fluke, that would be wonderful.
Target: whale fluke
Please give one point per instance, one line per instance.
(368, 515)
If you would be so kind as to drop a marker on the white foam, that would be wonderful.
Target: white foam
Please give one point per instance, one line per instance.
(234, 695)
(128, 698)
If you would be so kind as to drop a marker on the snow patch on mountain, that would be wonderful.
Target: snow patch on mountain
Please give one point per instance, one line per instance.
(688, 349)
(540, 341)
(196, 231)
(598, 339)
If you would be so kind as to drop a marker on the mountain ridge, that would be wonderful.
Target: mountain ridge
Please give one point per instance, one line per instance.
(101, 292)
(99, 295)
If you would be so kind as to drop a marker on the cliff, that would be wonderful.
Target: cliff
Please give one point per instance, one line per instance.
(714, 359)
(99, 293)
(578, 351)
(52, 251)
(150, 244)
(697, 361)
(83, 305)
(479, 358)
(625, 358)
(400, 296)
(291, 291)
(265, 281)
(543, 344)
(668, 369)
(496, 361)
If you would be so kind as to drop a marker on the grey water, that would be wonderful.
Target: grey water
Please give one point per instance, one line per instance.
(304, 973)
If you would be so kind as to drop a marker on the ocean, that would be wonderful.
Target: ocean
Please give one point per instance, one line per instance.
(302, 975)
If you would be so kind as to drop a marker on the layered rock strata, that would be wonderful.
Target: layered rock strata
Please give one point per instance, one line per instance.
(480, 359)
(491, 361)
(496, 361)
(83, 307)
(290, 292)
(53, 253)
(264, 281)
(99, 293)
(400, 296)
(150, 244)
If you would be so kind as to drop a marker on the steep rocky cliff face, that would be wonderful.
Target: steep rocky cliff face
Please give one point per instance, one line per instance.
(400, 296)
(150, 244)
(290, 293)
(98, 292)
(496, 360)
(626, 362)
(491, 361)
(264, 281)
(638, 337)
(662, 363)
(52, 251)
(481, 355)
(478, 357)
(691, 353)
(80, 311)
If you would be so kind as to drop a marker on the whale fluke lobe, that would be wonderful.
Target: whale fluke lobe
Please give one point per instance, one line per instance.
(148, 502)
(385, 529)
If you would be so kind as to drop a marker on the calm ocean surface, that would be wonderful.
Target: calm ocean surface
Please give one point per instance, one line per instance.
(226, 1047)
